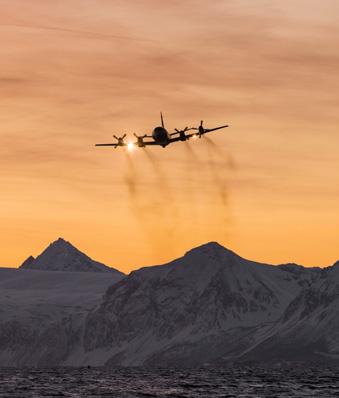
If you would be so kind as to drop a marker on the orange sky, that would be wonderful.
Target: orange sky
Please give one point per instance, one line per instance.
(73, 72)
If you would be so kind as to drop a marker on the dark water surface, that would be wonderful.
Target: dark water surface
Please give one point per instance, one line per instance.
(245, 381)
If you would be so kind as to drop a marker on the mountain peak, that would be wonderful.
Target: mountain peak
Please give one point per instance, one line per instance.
(61, 242)
(29, 260)
(61, 255)
(212, 246)
(211, 249)
(62, 245)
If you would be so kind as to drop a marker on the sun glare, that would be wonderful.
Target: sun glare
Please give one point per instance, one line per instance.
(130, 146)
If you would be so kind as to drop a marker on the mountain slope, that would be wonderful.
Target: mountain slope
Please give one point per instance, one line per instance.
(209, 305)
(309, 327)
(42, 313)
(63, 256)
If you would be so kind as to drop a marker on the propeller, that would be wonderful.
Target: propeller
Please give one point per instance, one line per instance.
(121, 139)
(140, 136)
(140, 139)
(182, 134)
(201, 129)
(182, 131)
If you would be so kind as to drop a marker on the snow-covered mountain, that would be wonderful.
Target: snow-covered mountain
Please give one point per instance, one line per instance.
(208, 307)
(63, 256)
(309, 327)
(42, 313)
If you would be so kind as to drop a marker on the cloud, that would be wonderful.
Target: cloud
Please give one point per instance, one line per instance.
(87, 34)
(10, 81)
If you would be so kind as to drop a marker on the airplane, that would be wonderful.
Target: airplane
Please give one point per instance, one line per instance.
(160, 136)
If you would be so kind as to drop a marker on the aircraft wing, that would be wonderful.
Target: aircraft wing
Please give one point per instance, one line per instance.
(181, 131)
(145, 143)
(215, 128)
(175, 139)
(198, 133)
(113, 144)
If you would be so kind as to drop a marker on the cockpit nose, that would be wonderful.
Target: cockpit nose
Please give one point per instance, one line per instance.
(160, 134)
(158, 130)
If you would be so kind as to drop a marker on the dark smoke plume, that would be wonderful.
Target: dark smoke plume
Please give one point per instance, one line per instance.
(157, 214)
(220, 153)
(154, 205)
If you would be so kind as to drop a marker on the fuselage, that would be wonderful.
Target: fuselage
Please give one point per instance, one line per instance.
(161, 136)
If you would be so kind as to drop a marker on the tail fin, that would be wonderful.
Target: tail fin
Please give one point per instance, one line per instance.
(162, 120)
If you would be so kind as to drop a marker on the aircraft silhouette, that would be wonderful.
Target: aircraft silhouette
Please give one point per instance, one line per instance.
(160, 136)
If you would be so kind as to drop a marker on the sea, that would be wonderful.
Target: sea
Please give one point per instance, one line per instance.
(231, 381)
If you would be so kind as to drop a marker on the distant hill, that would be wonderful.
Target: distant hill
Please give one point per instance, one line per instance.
(63, 256)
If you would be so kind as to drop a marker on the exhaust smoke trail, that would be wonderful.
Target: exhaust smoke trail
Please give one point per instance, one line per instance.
(166, 209)
(219, 152)
(219, 179)
(131, 175)
(155, 211)
(158, 171)
(193, 164)
(154, 205)
(165, 190)
(216, 168)
(192, 155)
(131, 180)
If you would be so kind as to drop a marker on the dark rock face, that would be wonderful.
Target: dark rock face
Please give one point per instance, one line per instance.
(209, 307)
(63, 256)
(212, 306)
(42, 314)
(28, 262)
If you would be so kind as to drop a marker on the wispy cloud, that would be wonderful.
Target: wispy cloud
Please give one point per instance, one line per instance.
(75, 72)
(86, 34)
